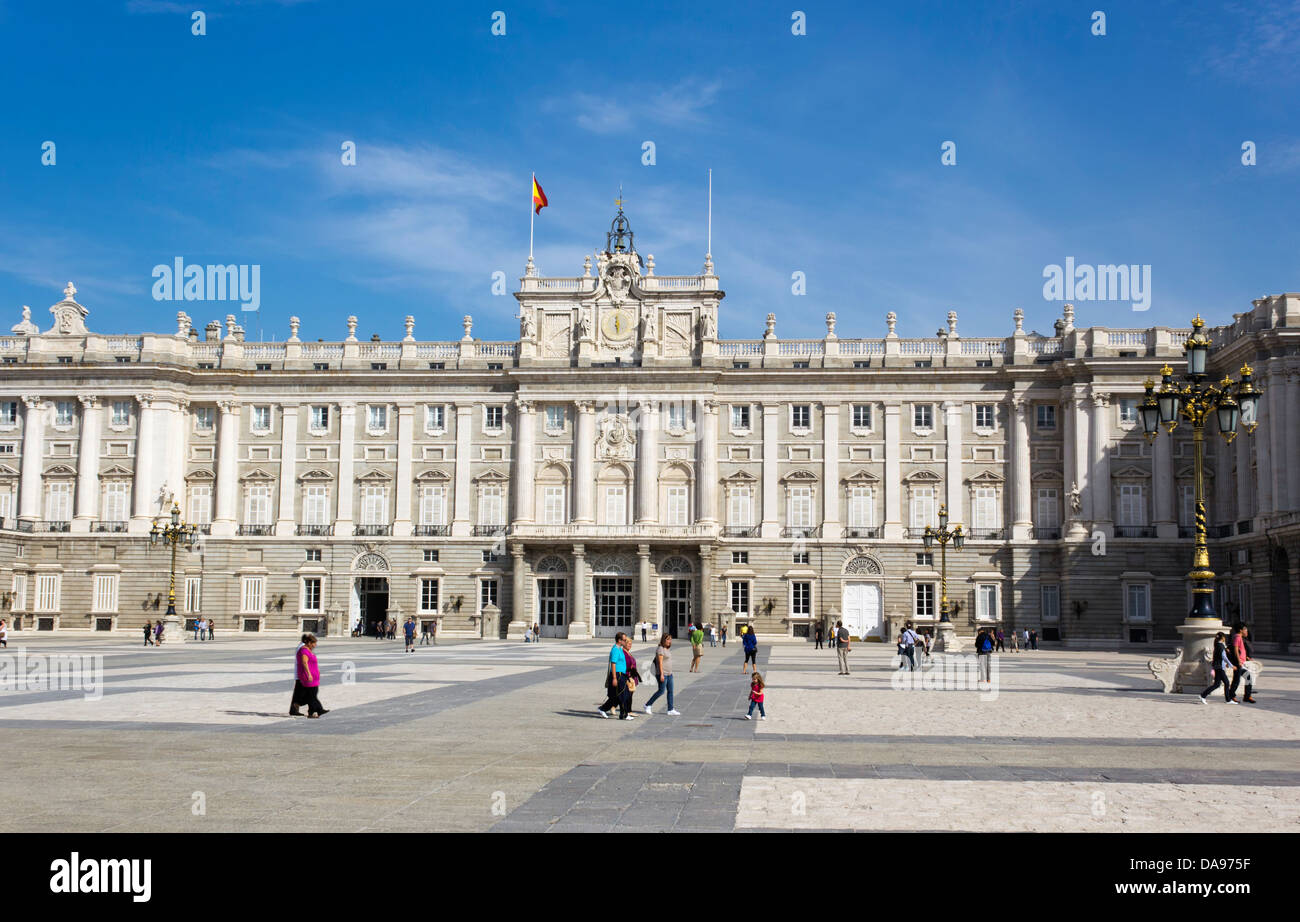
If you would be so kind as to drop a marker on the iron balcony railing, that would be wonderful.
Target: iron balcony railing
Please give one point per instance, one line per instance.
(432, 531)
(316, 531)
(110, 526)
(255, 530)
(373, 531)
(1135, 531)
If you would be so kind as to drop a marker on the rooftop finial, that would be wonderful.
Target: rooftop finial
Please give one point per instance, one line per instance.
(69, 291)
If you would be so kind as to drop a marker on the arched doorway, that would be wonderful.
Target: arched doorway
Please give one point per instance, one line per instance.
(613, 593)
(862, 597)
(369, 597)
(552, 585)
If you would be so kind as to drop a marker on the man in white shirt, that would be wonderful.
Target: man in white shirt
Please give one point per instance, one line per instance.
(910, 640)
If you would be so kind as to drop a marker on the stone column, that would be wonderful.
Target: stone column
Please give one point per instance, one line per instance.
(525, 449)
(143, 492)
(460, 523)
(645, 595)
(1264, 454)
(952, 472)
(1292, 408)
(519, 622)
(1022, 467)
(177, 445)
(893, 475)
(286, 522)
(708, 462)
(771, 524)
(1278, 433)
(405, 446)
(647, 465)
(88, 463)
(831, 471)
(584, 441)
(579, 627)
(1245, 482)
(1099, 432)
(1074, 447)
(223, 524)
(29, 496)
(1162, 486)
(707, 594)
(347, 470)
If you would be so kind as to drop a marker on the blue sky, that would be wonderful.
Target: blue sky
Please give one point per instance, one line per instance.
(825, 148)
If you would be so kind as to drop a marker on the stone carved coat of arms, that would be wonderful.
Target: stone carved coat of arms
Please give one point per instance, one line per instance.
(616, 441)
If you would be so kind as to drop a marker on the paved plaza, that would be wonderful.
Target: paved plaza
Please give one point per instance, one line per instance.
(503, 736)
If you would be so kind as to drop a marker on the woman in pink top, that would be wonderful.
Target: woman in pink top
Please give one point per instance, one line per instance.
(307, 685)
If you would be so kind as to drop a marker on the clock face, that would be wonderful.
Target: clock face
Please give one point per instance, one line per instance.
(618, 325)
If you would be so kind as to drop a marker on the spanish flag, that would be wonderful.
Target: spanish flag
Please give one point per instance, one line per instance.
(539, 197)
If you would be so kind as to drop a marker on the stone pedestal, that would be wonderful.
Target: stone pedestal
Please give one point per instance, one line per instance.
(173, 629)
(578, 630)
(1189, 670)
(946, 639)
(516, 630)
(492, 622)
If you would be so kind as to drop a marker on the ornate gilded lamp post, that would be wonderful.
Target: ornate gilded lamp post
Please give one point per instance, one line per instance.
(173, 533)
(1196, 399)
(947, 641)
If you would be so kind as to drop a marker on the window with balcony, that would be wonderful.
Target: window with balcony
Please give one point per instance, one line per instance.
(554, 506)
(257, 505)
(861, 508)
(799, 513)
(58, 502)
(1132, 512)
(922, 513)
(433, 507)
(374, 506)
(615, 505)
(678, 506)
(985, 507)
(1049, 512)
(491, 506)
(740, 507)
(315, 505)
(114, 505)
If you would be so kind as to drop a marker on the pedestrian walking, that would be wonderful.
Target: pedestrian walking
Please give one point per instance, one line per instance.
(198, 626)
(842, 646)
(158, 633)
(1001, 646)
(817, 636)
(713, 636)
(306, 687)
(749, 640)
(909, 639)
(1239, 656)
(4, 634)
(1015, 641)
(756, 698)
(409, 630)
(984, 656)
(615, 678)
(633, 678)
(212, 629)
(1033, 638)
(1026, 639)
(425, 633)
(644, 627)
(537, 633)
(724, 635)
(663, 665)
(148, 634)
(1219, 662)
(697, 647)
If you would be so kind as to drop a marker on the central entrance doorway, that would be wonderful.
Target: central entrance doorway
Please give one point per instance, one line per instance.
(861, 607)
(612, 596)
(675, 613)
(372, 593)
(553, 606)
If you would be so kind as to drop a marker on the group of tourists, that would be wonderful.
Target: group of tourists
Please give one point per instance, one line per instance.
(205, 629)
(1025, 636)
(153, 634)
(533, 634)
(1233, 652)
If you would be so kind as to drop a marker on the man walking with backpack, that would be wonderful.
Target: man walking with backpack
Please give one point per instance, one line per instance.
(750, 642)
(842, 646)
(984, 656)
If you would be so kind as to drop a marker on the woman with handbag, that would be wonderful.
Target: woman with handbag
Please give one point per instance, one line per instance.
(629, 686)
(1219, 663)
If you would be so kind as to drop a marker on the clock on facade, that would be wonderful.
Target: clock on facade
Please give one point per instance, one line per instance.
(618, 324)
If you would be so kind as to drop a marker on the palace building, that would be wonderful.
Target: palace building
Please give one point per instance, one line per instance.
(621, 462)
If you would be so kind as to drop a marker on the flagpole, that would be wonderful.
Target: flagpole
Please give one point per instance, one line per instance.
(532, 213)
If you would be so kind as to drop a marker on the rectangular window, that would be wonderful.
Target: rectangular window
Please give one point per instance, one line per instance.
(801, 599)
(801, 508)
(252, 598)
(433, 505)
(615, 505)
(984, 416)
(861, 507)
(63, 413)
(429, 596)
(311, 594)
(48, 586)
(258, 505)
(1186, 504)
(1049, 509)
(494, 418)
(740, 508)
(488, 594)
(261, 419)
(491, 506)
(555, 419)
(986, 602)
(862, 416)
(377, 418)
(1132, 505)
(1128, 409)
(105, 592)
(986, 508)
(553, 505)
(922, 507)
(9, 413)
(676, 416)
(193, 594)
(678, 506)
(435, 418)
(315, 504)
(58, 506)
(1139, 602)
(374, 505)
(739, 597)
(925, 559)
(924, 607)
(116, 495)
(800, 557)
(922, 416)
(430, 555)
(320, 419)
(739, 557)
(740, 416)
(801, 416)
(313, 554)
(205, 419)
(1046, 416)
(20, 592)
(1050, 595)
